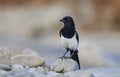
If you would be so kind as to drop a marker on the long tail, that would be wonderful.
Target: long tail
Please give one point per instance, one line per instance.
(75, 57)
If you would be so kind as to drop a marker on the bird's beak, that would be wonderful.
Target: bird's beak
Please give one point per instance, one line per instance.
(61, 20)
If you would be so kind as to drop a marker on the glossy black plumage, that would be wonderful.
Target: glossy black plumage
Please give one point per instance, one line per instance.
(70, 38)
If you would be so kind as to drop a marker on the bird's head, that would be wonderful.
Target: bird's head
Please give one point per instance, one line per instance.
(67, 20)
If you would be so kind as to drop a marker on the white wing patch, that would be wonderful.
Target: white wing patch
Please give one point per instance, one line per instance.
(70, 43)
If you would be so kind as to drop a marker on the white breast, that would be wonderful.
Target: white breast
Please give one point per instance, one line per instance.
(70, 43)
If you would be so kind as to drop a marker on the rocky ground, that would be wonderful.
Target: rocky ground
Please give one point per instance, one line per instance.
(30, 64)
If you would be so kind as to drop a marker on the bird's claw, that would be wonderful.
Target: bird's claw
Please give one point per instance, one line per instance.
(65, 57)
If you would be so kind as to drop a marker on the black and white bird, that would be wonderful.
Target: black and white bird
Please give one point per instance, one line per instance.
(70, 38)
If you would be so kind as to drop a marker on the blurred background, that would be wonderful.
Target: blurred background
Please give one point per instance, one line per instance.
(34, 24)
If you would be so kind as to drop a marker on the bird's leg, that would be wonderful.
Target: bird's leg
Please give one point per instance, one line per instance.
(65, 53)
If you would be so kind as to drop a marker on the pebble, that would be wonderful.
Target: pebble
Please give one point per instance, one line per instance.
(79, 73)
(5, 67)
(18, 67)
(29, 64)
(5, 56)
(28, 60)
(63, 65)
(47, 67)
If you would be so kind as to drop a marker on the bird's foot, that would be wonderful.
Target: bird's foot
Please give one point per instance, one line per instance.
(65, 57)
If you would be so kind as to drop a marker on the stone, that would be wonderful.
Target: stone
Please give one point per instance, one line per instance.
(28, 60)
(47, 67)
(5, 67)
(17, 67)
(5, 56)
(78, 73)
(63, 65)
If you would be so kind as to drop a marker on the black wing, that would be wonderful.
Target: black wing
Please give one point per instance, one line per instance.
(77, 37)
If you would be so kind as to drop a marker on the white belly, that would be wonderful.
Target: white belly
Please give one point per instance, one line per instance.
(70, 43)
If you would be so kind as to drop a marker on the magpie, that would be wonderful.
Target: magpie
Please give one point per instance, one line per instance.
(70, 38)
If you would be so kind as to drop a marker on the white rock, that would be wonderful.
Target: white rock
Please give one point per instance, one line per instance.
(44, 68)
(65, 65)
(47, 67)
(17, 67)
(79, 73)
(32, 69)
(5, 67)
(5, 56)
(89, 55)
(30, 52)
(28, 60)
(40, 68)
